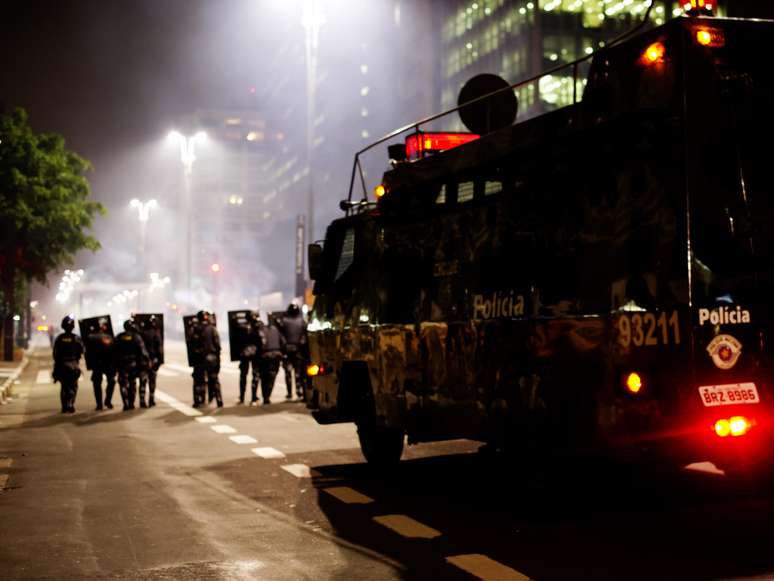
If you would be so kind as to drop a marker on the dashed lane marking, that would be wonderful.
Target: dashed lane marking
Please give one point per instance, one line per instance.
(300, 470)
(206, 420)
(3, 481)
(223, 429)
(351, 496)
(242, 439)
(706, 467)
(268, 453)
(177, 367)
(407, 526)
(44, 376)
(179, 406)
(485, 568)
(6, 462)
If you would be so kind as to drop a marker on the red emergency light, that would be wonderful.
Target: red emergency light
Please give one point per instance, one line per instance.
(420, 144)
(699, 7)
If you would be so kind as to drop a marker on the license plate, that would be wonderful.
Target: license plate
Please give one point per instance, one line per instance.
(729, 394)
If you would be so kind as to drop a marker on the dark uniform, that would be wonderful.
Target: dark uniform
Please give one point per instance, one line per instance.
(207, 367)
(68, 349)
(272, 347)
(102, 345)
(293, 328)
(131, 359)
(151, 337)
(249, 355)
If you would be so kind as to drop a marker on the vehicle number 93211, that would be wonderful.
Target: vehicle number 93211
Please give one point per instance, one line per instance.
(648, 329)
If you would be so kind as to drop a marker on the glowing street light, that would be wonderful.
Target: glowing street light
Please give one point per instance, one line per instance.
(187, 144)
(143, 208)
(215, 267)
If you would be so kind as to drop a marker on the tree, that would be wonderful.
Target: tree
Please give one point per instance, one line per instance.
(44, 210)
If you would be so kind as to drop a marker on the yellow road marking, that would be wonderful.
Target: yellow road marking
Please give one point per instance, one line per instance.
(348, 495)
(485, 568)
(406, 526)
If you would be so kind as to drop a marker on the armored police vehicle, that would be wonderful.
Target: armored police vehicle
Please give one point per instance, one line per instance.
(593, 280)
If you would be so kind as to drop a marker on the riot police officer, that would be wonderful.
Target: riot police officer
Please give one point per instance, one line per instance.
(207, 348)
(131, 359)
(102, 353)
(249, 354)
(68, 349)
(272, 348)
(151, 337)
(293, 329)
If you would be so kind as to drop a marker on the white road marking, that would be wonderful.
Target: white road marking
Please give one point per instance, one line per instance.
(44, 376)
(349, 495)
(223, 429)
(485, 568)
(268, 453)
(167, 373)
(706, 467)
(206, 420)
(6, 462)
(177, 367)
(300, 470)
(179, 406)
(242, 439)
(407, 526)
(3, 481)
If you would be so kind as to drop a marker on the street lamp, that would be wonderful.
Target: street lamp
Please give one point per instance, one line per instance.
(143, 213)
(312, 19)
(187, 157)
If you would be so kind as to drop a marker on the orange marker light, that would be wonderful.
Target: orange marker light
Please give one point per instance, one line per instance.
(379, 191)
(703, 37)
(312, 370)
(634, 383)
(654, 53)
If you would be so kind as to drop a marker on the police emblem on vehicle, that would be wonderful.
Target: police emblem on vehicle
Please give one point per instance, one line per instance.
(725, 351)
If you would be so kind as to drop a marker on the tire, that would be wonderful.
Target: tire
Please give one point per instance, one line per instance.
(381, 446)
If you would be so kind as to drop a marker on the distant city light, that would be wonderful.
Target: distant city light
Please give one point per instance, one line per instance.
(215, 267)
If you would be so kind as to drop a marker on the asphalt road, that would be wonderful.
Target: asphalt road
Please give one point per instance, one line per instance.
(265, 493)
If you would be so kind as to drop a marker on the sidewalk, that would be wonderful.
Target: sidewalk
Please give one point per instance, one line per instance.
(9, 373)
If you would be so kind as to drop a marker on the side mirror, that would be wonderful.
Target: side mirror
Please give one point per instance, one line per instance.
(315, 261)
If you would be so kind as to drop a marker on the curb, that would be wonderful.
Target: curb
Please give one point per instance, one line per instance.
(6, 387)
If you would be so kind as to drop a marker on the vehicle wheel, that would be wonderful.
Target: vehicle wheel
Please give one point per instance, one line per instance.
(381, 446)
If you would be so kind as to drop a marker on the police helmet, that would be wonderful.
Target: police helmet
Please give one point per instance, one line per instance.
(293, 309)
(255, 316)
(152, 322)
(68, 323)
(129, 325)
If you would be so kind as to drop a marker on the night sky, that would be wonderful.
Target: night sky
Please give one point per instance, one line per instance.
(115, 75)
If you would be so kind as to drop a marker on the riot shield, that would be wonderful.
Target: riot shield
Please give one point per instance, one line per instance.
(238, 329)
(188, 322)
(92, 325)
(142, 320)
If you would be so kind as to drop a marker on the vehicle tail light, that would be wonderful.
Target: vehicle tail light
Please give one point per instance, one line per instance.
(733, 426)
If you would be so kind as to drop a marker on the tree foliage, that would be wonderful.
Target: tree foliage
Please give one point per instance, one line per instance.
(45, 210)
